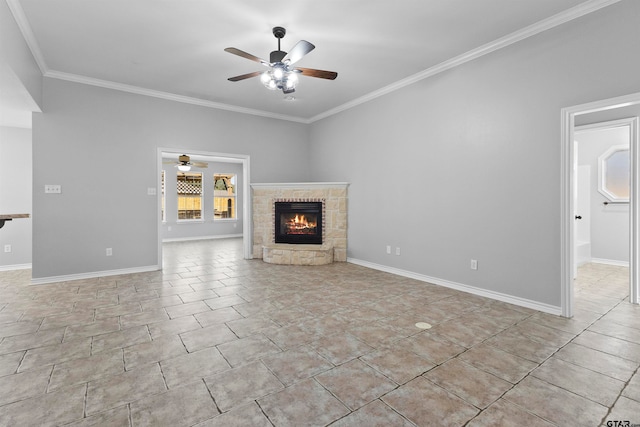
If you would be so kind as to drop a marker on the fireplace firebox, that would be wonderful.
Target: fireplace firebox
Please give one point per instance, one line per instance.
(298, 222)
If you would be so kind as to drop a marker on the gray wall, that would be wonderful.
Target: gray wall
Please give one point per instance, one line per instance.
(207, 227)
(15, 195)
(466, 164)
(84, 131)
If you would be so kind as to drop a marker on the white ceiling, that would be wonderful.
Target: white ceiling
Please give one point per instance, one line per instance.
(174, 48)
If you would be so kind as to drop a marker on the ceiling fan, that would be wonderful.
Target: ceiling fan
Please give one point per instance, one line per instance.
(281, 73)
(184, 163)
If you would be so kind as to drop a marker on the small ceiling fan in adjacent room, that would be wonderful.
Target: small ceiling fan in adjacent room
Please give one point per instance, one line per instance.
(184, 163)
(281, 73)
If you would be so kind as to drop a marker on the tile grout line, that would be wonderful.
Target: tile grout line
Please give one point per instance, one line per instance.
(610, 408)
(541, 363)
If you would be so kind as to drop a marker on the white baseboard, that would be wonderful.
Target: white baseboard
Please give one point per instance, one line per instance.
(610, 262)
(522, 302)
(15, 267)
(187, 239)
(93, 274)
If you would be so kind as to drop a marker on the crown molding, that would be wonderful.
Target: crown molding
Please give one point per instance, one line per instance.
(166, 95)
(546, 24)
(524, 33)
(27, 34)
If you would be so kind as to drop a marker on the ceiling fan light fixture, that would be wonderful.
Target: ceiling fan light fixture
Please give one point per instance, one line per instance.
(279, 78)
(291, 81)
(268, 80)
(278, 72)
(184, 163)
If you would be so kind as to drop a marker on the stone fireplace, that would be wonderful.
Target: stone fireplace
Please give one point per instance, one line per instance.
(300, 223)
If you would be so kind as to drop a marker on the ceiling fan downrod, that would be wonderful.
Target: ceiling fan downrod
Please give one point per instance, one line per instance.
(278, 55)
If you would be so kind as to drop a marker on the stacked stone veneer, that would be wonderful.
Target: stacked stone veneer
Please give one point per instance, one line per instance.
(334, 233)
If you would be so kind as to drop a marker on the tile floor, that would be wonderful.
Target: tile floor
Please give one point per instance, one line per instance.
(216, 340)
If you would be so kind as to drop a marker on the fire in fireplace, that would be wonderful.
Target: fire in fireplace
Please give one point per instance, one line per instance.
(298, 222)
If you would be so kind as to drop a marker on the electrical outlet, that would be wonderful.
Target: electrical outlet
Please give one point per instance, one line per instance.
(7, 248)
(151, 191)
(109, 251)
(397, 250)
(388, 249)
(52, 189)
(474, 264)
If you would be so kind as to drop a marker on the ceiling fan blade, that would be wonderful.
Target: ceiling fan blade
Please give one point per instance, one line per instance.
(322, 74)
(244, 76)
(244, 54)
(297, 52)
(200, 164)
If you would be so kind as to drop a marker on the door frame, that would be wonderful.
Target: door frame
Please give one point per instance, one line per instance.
(567, 156)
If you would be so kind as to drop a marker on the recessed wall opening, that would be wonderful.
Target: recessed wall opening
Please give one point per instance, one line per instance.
(227, 203)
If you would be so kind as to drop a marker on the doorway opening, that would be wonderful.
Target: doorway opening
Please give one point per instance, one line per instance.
(245, 188)
(568, 194)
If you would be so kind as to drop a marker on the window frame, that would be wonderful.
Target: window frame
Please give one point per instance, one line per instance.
(163, 198)
(602, 173)
(233, 177)
(178, 197)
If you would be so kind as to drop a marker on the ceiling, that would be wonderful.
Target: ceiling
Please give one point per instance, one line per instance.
(175, 48)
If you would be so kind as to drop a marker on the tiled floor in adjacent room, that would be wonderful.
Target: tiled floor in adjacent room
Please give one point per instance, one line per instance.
(215, 340)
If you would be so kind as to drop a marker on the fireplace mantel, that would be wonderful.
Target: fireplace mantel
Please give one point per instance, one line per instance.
(300, 185)
(334, 197)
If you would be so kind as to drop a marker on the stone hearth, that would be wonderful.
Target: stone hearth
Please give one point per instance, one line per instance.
(334, 247)
(285, 253)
